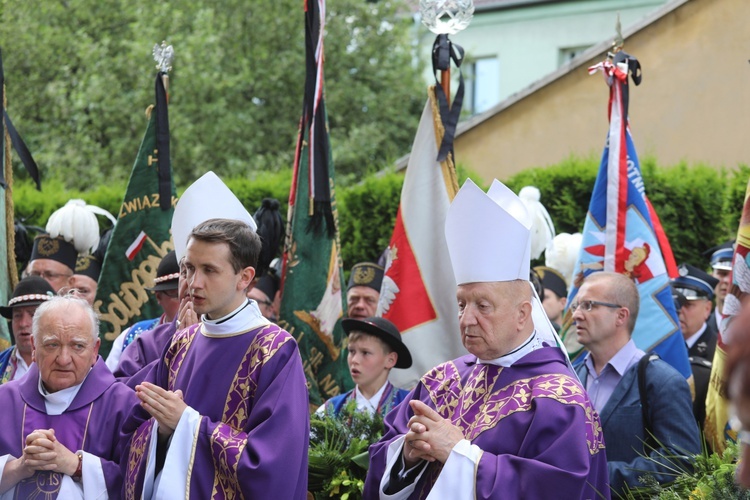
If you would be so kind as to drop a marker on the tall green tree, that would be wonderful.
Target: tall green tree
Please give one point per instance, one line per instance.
(236, 87)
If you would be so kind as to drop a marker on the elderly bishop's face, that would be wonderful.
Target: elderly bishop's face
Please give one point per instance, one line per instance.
(65, 348)
(488, 314)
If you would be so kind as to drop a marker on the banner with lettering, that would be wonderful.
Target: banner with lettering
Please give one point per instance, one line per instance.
(141, 236)
(313, 290)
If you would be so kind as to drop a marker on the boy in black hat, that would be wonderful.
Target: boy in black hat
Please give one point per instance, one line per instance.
(375, 347)
(28, 294)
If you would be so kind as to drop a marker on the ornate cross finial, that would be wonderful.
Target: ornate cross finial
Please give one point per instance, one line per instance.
(163, 55)
(619, 41)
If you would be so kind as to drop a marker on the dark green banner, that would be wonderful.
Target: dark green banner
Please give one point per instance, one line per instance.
(142, 233)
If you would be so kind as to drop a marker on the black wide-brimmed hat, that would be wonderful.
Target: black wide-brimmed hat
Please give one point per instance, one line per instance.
(167, 274)
(385, 331)
(30, 291)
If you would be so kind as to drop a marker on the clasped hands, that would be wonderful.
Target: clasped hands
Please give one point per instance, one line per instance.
(43, 452)
(430, 436)
(165, 406)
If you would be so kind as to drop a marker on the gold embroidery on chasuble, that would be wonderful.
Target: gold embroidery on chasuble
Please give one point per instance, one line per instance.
(181, 342)
(228, 439)
(475, 406)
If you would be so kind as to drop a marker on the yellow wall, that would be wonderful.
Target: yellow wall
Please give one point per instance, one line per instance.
(693, 103)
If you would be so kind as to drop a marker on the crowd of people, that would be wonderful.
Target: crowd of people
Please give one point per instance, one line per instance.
(209, 400)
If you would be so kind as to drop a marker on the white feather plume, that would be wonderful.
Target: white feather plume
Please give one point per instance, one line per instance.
(542, 228)
(76, 223)
(562, 254)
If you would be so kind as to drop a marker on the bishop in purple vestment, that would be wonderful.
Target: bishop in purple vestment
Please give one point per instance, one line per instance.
(63, 412)
(228, 399)
(511, 419)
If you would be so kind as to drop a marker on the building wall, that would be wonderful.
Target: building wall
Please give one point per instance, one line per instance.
(527, 40)
(693, 103)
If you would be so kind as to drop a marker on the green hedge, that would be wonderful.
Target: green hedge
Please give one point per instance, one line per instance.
(699, 206)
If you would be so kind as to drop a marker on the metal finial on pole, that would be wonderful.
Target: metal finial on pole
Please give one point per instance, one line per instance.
(163, 55)
(619, 41)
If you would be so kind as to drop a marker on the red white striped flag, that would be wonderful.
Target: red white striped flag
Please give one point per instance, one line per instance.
(418, 294)
(136, 246)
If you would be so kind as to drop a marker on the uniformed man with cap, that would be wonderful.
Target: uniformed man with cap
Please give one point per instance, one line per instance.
(555, 294)
(86, 278)
(363, 292)
(28, 294)
(693, 291)
(71, 230)
(721, 269)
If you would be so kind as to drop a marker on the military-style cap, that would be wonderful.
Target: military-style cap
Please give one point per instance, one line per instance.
(385, 331)
(694, 283)
(30, 291)
(366, 274)
(90, 266)
(268, 284)
(57, 249)
(552, 280)
(167, 274)
(721, 258)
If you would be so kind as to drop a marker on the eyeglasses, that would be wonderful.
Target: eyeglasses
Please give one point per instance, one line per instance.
(588, 305)
(50, 275)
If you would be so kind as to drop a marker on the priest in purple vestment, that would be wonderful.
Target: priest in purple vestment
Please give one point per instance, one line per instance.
(225, 411)
(510, 419)
(61, 423)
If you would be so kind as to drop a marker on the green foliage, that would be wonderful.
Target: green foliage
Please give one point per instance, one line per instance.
(79, 75)
(689, 200)
(565, 190)
(686, 199)
(367, 214)
(337, 444)
(711, 478)
(734, 200)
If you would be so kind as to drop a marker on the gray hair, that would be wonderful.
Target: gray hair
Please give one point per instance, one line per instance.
(61, 304)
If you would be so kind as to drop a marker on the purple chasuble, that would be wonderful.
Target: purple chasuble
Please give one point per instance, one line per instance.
(146, 348)
(91, 423)
(251, 393)
(540, 435)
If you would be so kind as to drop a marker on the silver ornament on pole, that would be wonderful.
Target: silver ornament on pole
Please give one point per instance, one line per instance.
(446, 17)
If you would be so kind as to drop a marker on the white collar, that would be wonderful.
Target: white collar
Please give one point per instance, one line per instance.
(532, 343)
(243, 319)
(691, 340)
(57, 402)
(370, 405)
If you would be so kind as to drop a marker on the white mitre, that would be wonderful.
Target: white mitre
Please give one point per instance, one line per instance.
(207, 198)
(489, 240)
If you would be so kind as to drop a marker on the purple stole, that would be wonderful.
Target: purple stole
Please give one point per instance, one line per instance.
(225, 441)
(475, 405)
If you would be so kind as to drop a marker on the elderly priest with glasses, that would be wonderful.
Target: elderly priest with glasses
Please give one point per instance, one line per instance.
(510, 418)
